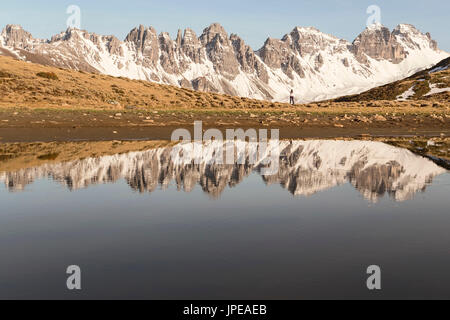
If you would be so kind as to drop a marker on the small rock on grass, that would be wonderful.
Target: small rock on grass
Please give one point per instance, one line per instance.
(378, 117)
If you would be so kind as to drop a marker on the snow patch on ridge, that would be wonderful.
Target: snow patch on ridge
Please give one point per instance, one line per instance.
(407, 94)
(434, 90)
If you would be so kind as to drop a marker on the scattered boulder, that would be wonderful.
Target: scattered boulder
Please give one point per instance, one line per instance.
(362, 119)
(379, 117)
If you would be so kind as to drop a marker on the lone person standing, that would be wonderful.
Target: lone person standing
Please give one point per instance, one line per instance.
(292, 100)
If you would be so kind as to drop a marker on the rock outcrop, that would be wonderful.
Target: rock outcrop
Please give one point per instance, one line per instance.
(378, 43)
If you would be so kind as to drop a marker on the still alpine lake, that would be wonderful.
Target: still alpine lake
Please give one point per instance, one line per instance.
(146, 225)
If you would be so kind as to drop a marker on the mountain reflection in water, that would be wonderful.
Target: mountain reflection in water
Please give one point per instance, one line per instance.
(305, 168)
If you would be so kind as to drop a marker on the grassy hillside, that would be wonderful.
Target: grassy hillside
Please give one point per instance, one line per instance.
(34, 85)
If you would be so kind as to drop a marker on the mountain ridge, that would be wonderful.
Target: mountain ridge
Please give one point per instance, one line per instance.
(316, 65)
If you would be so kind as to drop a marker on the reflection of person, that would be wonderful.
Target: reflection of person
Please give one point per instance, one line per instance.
(292, 101)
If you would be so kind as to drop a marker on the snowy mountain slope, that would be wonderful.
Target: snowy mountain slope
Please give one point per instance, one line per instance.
(316, 65)
(429, 84)
(305, 168)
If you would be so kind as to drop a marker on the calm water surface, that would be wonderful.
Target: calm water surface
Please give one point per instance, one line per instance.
(141, 225)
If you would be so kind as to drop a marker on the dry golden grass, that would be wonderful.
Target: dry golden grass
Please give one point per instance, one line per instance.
(32, 85)
(21, 86)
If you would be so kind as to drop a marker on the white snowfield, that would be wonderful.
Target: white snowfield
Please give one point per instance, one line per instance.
(407, 94)
(303, 168)
(434, 90)
(339, 73)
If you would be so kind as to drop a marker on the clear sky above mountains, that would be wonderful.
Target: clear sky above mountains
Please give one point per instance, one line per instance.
(253, 20)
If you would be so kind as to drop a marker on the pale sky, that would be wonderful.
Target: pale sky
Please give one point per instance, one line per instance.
(253, 20)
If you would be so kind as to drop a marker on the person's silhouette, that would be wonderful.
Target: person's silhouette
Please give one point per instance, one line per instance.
(292, 100)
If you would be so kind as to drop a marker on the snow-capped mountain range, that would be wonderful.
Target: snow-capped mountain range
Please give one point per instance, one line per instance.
(316, 65)
(305, 168)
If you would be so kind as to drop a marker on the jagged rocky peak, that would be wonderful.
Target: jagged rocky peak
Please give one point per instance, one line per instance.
(281, 54)
(13, 29)
(300, 34)
(113, 45)
(377, 42)
(408, 29)
(244, 53)
(301, 41)
(413, 38)
(191, 46)
(139, 33)
(308, 40)
(165, 41)
(271, 52)
(179, 38)
(247, 58)
(15, 36)
(168, 52)
(215, 32)
(146, 44)
(73, 35)
(141, 36)
(189, 38)
(220, 51)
